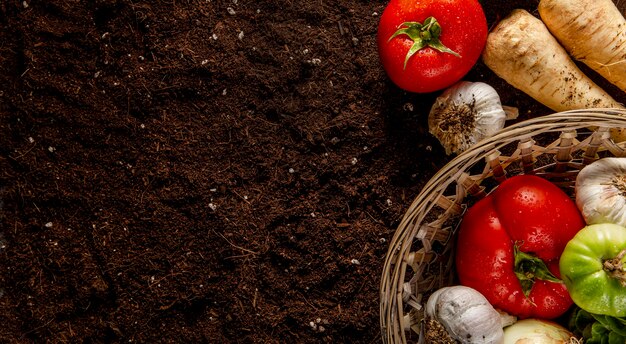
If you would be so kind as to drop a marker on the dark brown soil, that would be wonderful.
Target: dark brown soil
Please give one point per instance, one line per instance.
(204, 171)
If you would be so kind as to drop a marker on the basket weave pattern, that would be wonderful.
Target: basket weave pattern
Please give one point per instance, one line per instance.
(420, 256)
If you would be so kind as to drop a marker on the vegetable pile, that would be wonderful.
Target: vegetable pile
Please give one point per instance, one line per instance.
(529, 251)
(430, 45)
(533, 264)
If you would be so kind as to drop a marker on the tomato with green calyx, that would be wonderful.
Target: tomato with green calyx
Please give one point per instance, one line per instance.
(509, 244)
(593, 267)
(428, 45)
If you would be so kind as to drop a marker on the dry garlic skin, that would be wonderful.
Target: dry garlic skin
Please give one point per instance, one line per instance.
(466, 315)
(601, 191)
(465, 114)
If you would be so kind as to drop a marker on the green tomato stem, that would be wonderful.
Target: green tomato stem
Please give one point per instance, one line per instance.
(423, 35)
(529, 268)
(615, 268)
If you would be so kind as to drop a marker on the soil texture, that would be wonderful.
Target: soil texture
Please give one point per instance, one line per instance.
(219, 171)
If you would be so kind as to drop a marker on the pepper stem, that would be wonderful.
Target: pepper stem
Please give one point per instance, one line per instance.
(615, 267)
(423, 35)
(529, 268)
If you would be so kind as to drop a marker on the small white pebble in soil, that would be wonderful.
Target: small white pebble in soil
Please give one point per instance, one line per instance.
(213, 190)
(389, 202)
(214, 36)
(231, 11)
(313, 325)
(142, 126)
(291, 170)
(204, 62)
(354, 161)
(48, 224)
(374, 14)
(212, 206)
(25, 4)
(382, 240)
(316, 62)
(224, 92)
(30, 139)
(312, 214)
(240, 35)
(355, 262)
(51, 149)
(321, 328)
(258, 11)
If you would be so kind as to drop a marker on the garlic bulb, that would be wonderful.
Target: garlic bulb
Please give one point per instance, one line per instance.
(465, 113)
(466, 315)
(601, 191)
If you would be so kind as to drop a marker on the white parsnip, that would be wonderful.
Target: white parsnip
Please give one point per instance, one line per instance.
(592, 31)
(521, 50)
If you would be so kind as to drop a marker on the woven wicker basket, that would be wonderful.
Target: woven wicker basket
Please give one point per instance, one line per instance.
(420, 256)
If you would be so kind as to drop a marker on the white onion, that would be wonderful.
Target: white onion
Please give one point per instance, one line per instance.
(535, 331)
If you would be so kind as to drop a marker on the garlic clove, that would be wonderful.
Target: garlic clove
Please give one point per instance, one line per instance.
(465, 113)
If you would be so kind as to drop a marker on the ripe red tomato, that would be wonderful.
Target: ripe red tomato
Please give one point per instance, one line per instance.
(510, 242)
(444, 49)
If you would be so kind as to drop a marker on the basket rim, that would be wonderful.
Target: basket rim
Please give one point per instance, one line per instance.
(571, 120)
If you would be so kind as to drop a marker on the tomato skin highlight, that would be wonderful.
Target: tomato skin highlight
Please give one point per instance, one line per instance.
(463, 30)
(521, 211)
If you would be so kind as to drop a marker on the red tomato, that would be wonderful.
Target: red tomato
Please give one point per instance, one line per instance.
(451, 46)
(525, 218)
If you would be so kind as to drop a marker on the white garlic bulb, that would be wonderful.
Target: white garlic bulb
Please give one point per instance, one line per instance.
(466, 315)
(601, 191)
(465, 113)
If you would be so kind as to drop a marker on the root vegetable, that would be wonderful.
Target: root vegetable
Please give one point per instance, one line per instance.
(521, 50)
(592, 31)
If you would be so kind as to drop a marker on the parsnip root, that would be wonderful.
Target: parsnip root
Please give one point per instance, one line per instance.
(592, 31)
(521, 50)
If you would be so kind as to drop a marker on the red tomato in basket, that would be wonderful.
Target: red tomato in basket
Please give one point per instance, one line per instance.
(428, 45)
(527, 219)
